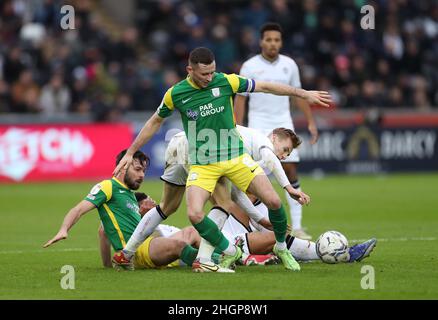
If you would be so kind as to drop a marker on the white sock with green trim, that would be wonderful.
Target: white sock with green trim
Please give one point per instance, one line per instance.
(144, 229)
(218, 216)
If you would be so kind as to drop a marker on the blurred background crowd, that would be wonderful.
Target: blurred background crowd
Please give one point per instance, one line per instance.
(104, 69)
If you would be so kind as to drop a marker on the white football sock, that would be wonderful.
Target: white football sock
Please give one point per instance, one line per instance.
(263, 209)
(281, 245)
(218, 216)
(303, 250)
(242, 200)
(205, 251)
(231, 249)
(144, 229)
(296, 212)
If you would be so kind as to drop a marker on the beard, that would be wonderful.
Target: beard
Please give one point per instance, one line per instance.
(131, 183)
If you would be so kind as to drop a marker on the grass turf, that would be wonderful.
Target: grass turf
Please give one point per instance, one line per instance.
(400, 210)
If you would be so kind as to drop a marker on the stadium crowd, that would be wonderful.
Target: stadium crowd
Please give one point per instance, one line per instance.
(96, 71)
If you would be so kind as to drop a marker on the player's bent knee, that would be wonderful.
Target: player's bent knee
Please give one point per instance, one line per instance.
(273, 202)
(188, 234)
(177, 247)
(195, 216)
(191, 231)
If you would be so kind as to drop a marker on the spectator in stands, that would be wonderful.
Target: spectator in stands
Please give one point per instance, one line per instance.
(123, 103)
(379, 67)
(13, 65)
(55, 96)
(25, 93)
(4, 97)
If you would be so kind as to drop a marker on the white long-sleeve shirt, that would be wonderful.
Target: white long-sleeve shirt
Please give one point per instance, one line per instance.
(259, 147)
(261, 150)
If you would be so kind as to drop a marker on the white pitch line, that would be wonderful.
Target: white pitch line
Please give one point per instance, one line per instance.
(397, 239)
(47, 250)
(95, 249)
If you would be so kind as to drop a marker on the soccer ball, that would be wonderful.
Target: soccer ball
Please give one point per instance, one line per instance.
(332, 247)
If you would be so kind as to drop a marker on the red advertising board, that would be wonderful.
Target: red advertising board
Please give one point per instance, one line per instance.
(60, 152)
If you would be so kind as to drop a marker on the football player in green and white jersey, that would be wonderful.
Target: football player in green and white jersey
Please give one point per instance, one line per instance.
(119, 212)
(205, 102)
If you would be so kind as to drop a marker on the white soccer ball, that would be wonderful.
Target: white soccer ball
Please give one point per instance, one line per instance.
(332, 247)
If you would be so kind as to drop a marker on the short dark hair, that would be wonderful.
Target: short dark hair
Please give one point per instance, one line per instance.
(201, 55)
(139, 155)
(288, 133)
(140, 196)
(270, 26)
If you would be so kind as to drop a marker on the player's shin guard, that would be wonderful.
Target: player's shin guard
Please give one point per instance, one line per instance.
(216, 257)
(188, 254)
(279, 222)
(144, 229)
(218, 216)
(210, 232)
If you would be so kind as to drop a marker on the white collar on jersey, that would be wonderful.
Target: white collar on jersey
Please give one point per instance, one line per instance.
(267, 61)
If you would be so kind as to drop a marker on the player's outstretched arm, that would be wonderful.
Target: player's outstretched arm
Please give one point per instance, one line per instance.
(311, 124)
(299, 196)
(147, 132)
(273, 164)
(105, 248)
(69, 221)
(321, 98)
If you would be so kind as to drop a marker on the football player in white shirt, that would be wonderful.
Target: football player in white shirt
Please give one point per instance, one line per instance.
(257, 242)
(267, 111)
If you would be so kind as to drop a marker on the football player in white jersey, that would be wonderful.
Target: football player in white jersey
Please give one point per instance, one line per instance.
(257, 242)
(267, 111)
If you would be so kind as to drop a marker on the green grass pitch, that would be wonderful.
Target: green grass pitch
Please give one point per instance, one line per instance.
(400, 210)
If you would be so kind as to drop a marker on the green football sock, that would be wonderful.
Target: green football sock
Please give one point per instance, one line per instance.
(188, 254)
(216, 257)
(210, 232)
(279, 222)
